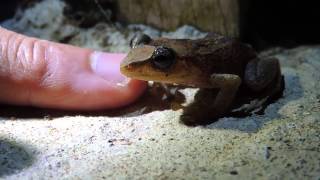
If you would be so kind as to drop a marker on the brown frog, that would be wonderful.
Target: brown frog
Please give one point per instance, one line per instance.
(218, 65)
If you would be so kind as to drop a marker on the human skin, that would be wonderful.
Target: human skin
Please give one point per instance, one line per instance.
(41, 73)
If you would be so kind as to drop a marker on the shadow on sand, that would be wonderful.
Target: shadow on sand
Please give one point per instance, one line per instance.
(254, 122)
(14, 157)
(153, 100)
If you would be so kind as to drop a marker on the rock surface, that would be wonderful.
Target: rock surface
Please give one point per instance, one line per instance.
(284, 143)
(209, 15)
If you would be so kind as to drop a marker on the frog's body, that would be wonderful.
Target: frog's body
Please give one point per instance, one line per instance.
(212, 62)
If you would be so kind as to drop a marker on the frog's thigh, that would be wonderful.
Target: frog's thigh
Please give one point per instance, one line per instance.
(260, 73)
(228, 85)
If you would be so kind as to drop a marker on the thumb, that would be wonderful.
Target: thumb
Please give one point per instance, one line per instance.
(46, 74)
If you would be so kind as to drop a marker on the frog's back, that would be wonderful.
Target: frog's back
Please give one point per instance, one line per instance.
(222, 55)
(212, 54)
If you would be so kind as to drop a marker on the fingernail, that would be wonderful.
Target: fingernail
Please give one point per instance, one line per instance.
(107, 66)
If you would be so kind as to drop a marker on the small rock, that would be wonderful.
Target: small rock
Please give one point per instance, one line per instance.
(234, 172)
(47, 117)
(13, 118)
(267, 152)
(119, 142)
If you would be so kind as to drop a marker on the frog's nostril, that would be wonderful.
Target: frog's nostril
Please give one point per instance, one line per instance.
(163, 58)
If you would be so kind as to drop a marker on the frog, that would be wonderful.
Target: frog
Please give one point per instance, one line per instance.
(218, 65)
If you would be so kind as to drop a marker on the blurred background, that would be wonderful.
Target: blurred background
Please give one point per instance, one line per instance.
(262, 23)
(148, 141)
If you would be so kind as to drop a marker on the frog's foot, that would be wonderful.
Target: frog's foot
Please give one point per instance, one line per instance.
(260, 73)
(194, 120)
(255, 105)
(258, 104)
(200, 112)
(199, 116)
(210, 104)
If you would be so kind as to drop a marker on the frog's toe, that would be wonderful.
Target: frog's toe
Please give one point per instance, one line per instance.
(188, 120)
(194, 120)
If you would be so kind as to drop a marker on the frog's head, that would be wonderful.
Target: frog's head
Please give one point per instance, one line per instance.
(159, 63)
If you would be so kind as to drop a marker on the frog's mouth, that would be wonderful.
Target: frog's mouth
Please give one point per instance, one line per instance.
(187, 77)
(144, 73)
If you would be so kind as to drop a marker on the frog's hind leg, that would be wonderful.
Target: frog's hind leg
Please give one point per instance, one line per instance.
(259, 73)
(263, 77)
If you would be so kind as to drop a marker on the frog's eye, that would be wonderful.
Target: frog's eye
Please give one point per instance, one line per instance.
(139, 39)
(163, 58)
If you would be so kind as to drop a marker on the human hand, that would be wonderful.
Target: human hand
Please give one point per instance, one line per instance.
(46, 74)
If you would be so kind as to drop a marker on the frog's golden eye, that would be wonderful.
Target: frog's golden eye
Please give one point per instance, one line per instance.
(163, 58)
(139, 39)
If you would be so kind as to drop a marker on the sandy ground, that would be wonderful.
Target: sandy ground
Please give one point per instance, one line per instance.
(144, 142)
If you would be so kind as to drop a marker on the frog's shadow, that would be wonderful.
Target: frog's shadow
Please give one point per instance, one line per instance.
(154, 99)
(253, 122)
(245, 103)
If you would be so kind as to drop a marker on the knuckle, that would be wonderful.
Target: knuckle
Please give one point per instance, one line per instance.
(32, 61)
(23, 58)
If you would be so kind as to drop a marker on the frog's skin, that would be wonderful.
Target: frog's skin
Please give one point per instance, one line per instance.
(212, 63)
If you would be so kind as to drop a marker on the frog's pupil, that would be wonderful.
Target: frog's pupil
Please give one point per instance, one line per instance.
(163, 58)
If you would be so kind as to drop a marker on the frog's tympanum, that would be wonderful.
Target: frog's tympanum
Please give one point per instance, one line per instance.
(215, 63)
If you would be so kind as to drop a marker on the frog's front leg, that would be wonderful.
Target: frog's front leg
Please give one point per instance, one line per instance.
(228, 85)
(208, 104)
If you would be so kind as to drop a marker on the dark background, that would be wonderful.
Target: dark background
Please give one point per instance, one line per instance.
(264, 23)
(7, 9)
(280, 22)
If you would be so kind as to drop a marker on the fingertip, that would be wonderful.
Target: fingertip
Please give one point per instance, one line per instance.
(136, 88)
(63, 76)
